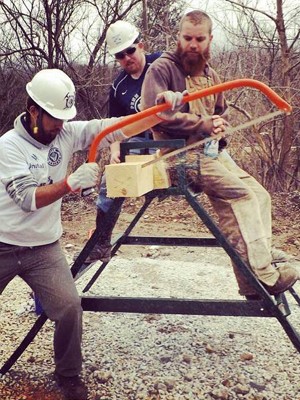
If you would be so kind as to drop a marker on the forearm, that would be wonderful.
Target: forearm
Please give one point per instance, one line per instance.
(173, 101)
(48, 194)
(141, 125)
(85, 176)
(114, 147)
(188, 122)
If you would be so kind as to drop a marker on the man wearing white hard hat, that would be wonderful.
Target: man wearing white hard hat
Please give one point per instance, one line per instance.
(124, 43)
(34, 159)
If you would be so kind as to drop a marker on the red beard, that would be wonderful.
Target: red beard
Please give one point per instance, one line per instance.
(193, 62)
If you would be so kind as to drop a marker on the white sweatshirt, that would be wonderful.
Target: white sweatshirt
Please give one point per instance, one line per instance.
(22, 156)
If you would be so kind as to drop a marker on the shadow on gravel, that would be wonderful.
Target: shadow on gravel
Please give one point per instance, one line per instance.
(19, 385)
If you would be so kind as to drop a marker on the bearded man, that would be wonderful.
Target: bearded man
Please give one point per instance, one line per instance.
(243, 206)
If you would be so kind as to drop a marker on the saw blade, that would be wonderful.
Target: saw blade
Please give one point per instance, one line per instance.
(229, 131)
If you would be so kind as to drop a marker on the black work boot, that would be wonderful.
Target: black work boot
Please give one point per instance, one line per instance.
(101, 251)
(72, 387)
(105, 222)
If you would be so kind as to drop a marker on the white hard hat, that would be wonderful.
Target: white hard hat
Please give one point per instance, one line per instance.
(54, 92)
(120, 35)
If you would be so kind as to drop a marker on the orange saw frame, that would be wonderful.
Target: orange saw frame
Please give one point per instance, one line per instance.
(222, 87)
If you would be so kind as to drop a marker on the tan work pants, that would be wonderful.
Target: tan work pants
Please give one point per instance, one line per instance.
(244, 211)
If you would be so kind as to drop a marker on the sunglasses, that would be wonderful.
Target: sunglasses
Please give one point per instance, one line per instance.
(128, 52)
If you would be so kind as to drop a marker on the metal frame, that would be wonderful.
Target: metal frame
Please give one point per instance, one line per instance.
(268, 306)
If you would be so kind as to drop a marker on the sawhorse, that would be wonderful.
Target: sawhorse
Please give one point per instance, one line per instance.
(268, 306)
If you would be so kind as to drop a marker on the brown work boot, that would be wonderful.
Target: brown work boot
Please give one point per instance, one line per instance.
(279, 256)
(101, 251)
(71, 387)
(105, 221)
(288, 276)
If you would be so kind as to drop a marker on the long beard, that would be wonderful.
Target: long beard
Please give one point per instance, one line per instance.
(193, 64)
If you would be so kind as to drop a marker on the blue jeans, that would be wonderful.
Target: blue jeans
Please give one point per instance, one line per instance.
(46, 271)
(103, 202)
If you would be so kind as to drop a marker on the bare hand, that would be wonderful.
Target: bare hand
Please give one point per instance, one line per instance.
(115, 157)
(219, 125)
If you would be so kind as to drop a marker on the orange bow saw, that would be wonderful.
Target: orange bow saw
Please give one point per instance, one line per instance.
(281, 104)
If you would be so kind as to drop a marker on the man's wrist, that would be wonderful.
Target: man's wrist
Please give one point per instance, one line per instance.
(158, 115)
(69, 188)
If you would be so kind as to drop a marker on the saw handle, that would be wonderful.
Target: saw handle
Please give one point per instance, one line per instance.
(222, 87)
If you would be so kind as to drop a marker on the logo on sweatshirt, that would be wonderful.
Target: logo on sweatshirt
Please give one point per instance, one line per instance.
(135, 103)
(54, 156)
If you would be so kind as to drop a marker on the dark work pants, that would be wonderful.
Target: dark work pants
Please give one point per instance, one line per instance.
(46, 271)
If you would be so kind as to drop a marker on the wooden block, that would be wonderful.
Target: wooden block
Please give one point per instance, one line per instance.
(129, 179)
(139, 158)
(161, 178)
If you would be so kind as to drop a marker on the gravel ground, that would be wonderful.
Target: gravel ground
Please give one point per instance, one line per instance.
(157, 357)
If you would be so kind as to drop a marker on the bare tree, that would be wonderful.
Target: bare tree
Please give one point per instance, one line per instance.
(40, 31)
(162, 23)
(66, 34)
(264, 45)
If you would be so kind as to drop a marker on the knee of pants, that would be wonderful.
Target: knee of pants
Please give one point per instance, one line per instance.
(66, 308)
(73, 309)
(72, 302)
(239, 195)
